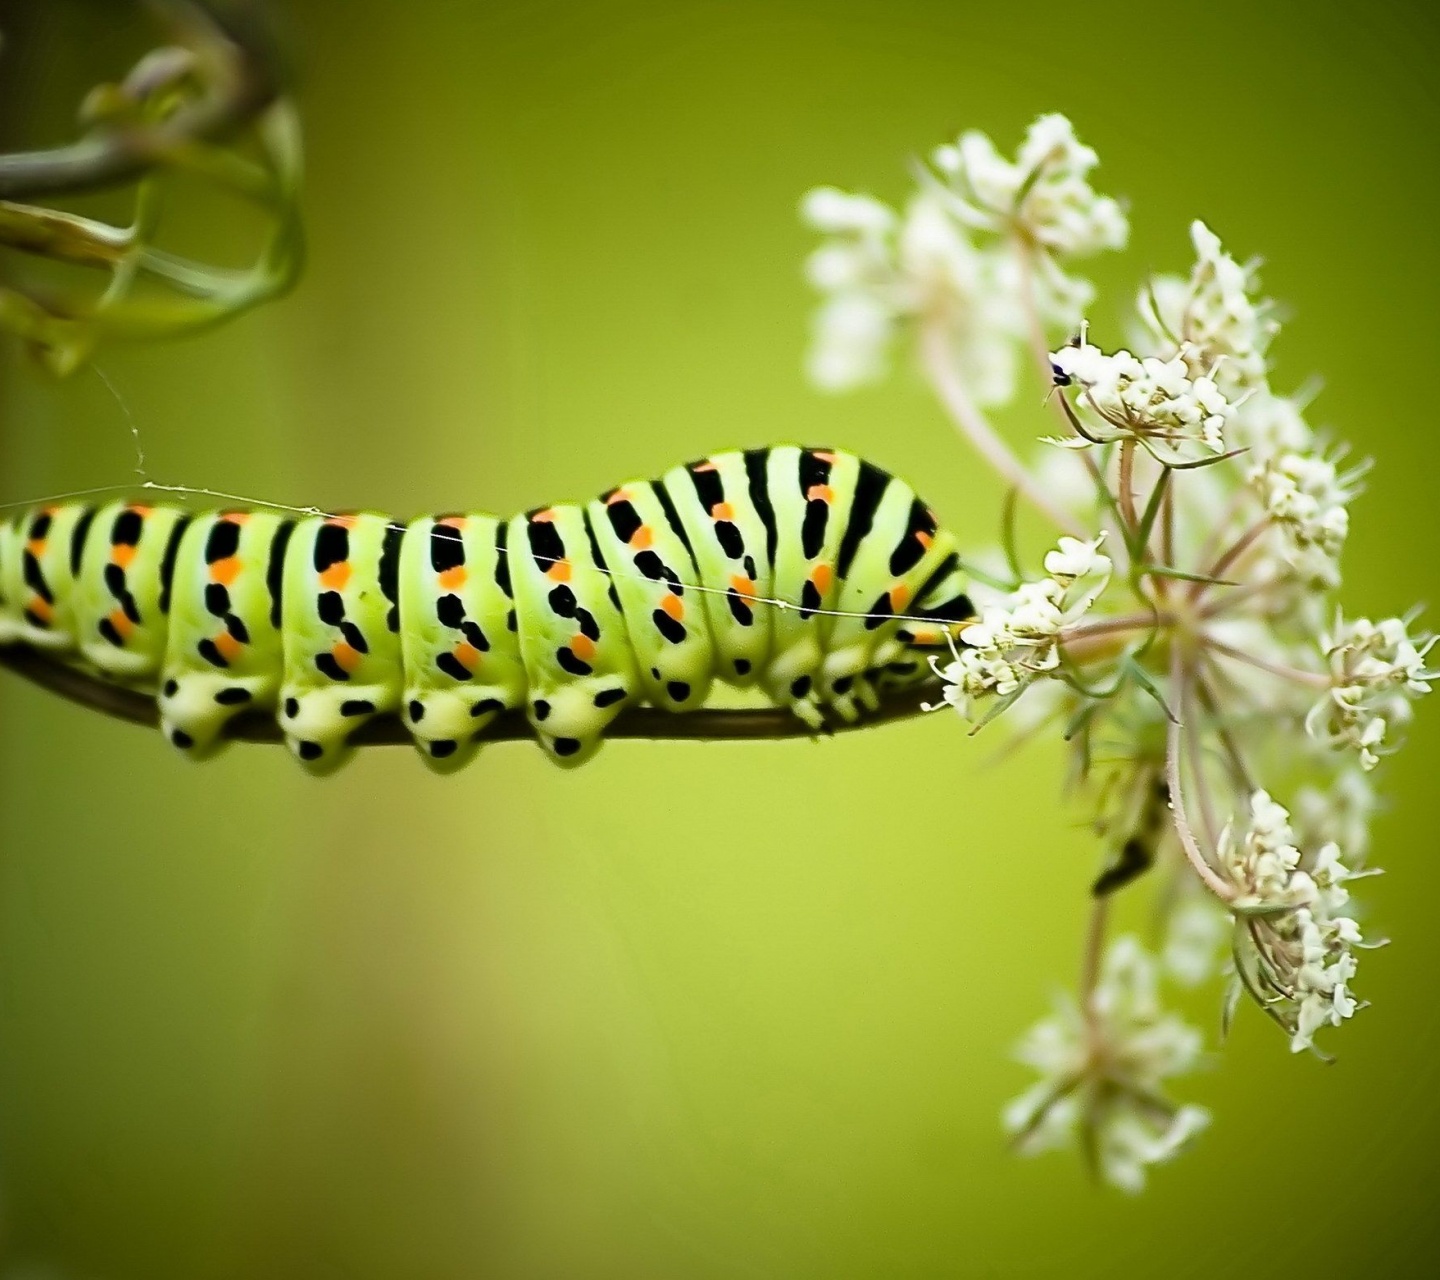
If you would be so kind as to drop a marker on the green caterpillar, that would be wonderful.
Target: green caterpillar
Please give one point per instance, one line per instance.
(650, 592)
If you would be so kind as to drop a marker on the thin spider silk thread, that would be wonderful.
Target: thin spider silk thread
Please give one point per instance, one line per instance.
(157, 486)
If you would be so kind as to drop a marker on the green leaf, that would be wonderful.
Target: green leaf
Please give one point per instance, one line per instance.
(1141, 538)
(1164, 571)
(1205, 462)
(1234, 989)
(1081, 720)
(999, 708)
(1007, 533)
(989, 579)
(1147, 682)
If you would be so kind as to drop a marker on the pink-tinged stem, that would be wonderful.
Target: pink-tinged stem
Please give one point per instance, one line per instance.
(1173, 776)
(976, 428)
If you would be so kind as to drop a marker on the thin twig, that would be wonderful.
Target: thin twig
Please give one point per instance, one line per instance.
(1094, 950)
(1313, 679)
(1240, 546)
(138, 707)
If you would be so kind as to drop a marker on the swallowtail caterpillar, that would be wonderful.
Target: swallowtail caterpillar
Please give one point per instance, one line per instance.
(809, 574)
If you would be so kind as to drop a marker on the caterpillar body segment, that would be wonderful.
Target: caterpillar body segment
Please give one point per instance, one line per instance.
(578, 659)
(639, 535)
(220, 589)
(460, 644)
(122, 553)
(807, 573)
(720, 509)
(341, 632)
(810, 521)
(9, 557)
(40, 568)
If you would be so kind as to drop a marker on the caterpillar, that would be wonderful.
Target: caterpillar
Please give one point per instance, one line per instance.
(808, 574)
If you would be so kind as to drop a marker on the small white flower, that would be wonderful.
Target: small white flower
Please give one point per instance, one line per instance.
(1073, 559)
(965, 293)
(1130, 1144)
(1045, 189)
(1106, 1071)
(850, 342)
(1268, 424)
(1338, 812)
(1211, 320)
(855, 272)
(1296, 949)
(1376, 671)
(1151, 399)
(1261, 862)
(877, 272)
(839, 212)
(1307, 498)
(1016, 639)
(1044, 195)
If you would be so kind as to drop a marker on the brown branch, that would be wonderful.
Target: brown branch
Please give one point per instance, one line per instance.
(138, 707)
(242, 82)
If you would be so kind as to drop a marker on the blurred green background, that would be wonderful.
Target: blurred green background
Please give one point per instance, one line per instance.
(717, 1010)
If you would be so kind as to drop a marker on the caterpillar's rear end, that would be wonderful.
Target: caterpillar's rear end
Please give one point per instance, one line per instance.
(807, 573)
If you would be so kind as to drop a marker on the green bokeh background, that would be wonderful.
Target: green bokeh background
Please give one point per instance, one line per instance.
(697, 1010)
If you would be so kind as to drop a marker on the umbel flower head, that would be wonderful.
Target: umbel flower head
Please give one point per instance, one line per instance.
(957, 262)
(1153, 402)
(1213, 318)
(1104, 1069)
(1227, 720)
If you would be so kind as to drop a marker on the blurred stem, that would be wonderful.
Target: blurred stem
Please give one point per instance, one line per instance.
(955, 396)
(1035, 332)
(1093, 953)
(241, 81)
(208, 107)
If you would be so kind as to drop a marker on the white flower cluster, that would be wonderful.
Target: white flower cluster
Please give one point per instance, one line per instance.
(878, 271)
(1267, 423)
(1376, 671)
(1146, 399)
(1211, 318)
(949, 263)
(1103, 1069)
(855, 270)
(1307, 499)
(1045, 196)
(1297, 954)
(1018, 638)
